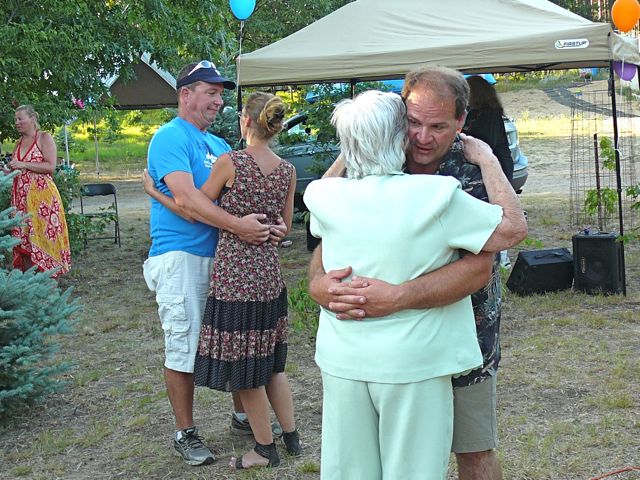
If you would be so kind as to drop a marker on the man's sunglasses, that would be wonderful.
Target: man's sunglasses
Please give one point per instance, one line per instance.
(202, 64)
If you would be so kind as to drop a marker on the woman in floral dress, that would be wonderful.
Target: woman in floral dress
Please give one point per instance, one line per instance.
(44, 240)
(243, 340)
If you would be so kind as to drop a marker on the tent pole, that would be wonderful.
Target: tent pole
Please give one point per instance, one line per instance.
(95, 141)
(66, 144)
(352, 84)
(239, 109)
(614, 119)
(238, 87)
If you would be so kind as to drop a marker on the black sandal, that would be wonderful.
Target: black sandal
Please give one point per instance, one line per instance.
(265, 451)
(292, 442)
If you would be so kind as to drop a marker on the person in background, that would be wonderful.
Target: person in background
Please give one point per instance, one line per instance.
(44, 239)
(181, 154)
(485, 122)
(243, 344)
(387, 392)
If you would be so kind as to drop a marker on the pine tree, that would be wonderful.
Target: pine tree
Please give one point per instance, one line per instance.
(33, 312)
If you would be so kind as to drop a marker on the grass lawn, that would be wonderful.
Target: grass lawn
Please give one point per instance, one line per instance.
(568, 385)
(568, 388)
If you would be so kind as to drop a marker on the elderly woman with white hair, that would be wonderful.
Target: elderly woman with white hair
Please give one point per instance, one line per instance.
(387, 394)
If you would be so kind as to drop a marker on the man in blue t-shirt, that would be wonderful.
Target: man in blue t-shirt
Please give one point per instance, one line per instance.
(180, 157)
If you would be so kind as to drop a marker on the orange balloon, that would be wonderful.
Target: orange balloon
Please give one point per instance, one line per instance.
(625, 14)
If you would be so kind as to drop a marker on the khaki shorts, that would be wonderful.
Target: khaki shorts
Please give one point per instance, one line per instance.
(181, 283)
(475, 427)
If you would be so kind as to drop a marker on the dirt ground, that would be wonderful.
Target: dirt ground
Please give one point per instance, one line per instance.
(549, 161)
(567, 396)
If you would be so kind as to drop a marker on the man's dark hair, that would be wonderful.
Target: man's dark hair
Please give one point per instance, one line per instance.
(183, 73)
(441, 80)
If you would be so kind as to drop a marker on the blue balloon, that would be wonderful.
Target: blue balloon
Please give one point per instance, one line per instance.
(242, 9)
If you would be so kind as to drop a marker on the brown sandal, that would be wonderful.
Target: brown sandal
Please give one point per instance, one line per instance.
(265, 451)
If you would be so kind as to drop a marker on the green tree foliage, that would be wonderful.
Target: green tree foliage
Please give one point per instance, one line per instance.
(6, 221)
(276, 19)
(607, 153)
(55, 51)
(270, 21)
(33, 312)
(594, 10)
(67, 180)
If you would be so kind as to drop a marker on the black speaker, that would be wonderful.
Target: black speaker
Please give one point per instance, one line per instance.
(540, 271)
(598, 263)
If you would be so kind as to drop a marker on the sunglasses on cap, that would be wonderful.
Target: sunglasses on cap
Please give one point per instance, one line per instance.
(202, 64)
(205, 71)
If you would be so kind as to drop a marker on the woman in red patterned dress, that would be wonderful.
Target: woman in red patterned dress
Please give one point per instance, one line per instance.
(44, 240)
(243, 339)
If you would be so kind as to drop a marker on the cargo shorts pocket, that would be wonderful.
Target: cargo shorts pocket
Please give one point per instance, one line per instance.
(172, 312)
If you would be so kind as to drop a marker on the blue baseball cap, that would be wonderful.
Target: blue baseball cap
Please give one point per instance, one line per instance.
(205, 71)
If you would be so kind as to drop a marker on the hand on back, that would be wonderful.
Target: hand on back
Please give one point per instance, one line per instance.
(251, 229)
(476, 151)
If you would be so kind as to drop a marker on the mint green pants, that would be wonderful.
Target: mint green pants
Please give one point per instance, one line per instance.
(375, 431)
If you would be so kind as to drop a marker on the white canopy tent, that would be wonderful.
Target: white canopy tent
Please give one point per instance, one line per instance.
(379, 39)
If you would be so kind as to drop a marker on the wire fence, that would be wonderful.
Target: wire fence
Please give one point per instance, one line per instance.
(593, 186)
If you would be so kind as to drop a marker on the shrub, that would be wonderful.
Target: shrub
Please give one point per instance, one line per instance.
(132, 118)
(305, 310)
(67, 179)
(70, 142)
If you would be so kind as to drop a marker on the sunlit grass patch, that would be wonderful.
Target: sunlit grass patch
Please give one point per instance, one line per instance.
(531, 243)
(291, 368)
(309, 467)
(54, 442)
(547, 221)
(97, 432)
(597, 321)
(209, 397)
(145, 403)
(566, 321)
(546, 306)
(83, 377)
(551, 126)
(21, 470)
(627, 366)
(535, 80)
(305, 310)
(617, 399)
(628, 316)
